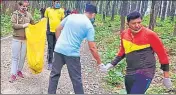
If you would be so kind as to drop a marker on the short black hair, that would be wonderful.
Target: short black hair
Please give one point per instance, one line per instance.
(133, 15)
(91, 8)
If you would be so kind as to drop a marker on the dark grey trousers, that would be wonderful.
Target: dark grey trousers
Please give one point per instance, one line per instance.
(74, 70)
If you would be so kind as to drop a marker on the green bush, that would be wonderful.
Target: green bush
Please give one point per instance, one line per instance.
(6, 27)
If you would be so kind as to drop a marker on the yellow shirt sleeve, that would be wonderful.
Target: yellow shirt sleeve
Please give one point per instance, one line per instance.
(46, 12)
(62, 14)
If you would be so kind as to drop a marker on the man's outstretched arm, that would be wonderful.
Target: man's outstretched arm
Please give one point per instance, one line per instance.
(94, 51)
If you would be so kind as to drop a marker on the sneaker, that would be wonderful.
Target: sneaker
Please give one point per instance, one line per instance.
(19, 73)
(12, 78)
(49, 66)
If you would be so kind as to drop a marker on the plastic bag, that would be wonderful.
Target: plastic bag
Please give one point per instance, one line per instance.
(36, 36)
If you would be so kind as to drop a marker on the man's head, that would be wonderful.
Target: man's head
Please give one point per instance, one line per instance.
(90, 11)
(134, 20)
(56, 4)
(23, 6)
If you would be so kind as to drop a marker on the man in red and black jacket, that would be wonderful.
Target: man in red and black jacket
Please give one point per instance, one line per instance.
(138, 45)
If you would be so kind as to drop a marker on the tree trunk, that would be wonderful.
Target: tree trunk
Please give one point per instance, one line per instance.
(88, 2)
(97, 2)
(124, 12)
(169, 8)
(138, 6)
(133, 6)
(113, 9)
(152, 16)
(32, 7)
(160, 8)
(7, 7)
(164, 10)
(3, 9)
(122, 25)
(100, 8)
(156, 8)
(173, 9)
(120, 7)
(116, 8)
(104, 16)
(174, 33)
(144, 7)
(107, 8)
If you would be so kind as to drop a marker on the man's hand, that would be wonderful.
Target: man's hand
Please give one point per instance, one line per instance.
(102, 67)
(167, 83)
(25, 25)
(109, 66)
(105, 68)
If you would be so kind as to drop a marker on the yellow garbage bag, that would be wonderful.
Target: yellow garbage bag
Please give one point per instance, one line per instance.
(36, 36)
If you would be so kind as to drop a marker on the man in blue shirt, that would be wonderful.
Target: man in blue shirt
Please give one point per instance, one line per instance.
(70, 34)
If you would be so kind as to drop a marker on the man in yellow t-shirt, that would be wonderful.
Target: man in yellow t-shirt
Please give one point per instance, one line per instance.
(55, 14)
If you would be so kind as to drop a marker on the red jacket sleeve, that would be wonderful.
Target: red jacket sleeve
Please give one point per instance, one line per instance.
(120, 54)
(159, 49)
(121, 51)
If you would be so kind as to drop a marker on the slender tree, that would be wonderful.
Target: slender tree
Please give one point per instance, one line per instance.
(164, 10)
(152, 16)
(174, 33)
(144, 7)
(113, 10)
(169, 8)
(133, 5)
(160, 9)
(100, 8)
(173, 9)
(138, 6)
(124, 12)
(107, 7)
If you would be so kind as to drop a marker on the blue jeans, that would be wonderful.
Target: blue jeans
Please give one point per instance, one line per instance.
(18, 55)
(137, 83)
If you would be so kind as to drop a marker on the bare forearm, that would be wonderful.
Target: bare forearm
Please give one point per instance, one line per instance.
(95, 54)
(58, 31)
(57, 34)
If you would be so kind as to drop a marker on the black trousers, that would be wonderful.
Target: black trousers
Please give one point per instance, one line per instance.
(51, 39)
(74, 70)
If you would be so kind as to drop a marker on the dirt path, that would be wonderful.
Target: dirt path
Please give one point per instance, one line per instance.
(38, 84)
